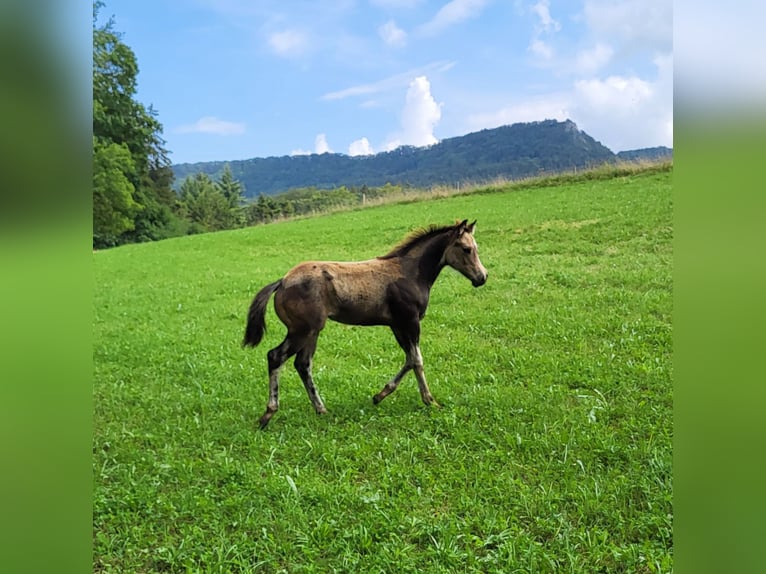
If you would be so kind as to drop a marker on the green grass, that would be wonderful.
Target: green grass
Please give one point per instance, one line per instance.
(552, 452)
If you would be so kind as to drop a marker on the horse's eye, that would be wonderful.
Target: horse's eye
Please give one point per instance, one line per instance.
(466, 249)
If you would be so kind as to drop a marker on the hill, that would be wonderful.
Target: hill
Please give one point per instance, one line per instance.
(649, 153)
(510, 152)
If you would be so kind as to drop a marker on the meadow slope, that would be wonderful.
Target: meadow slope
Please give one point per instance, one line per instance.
(552, 452)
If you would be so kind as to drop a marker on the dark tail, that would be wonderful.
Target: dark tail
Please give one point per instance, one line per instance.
(256, 316)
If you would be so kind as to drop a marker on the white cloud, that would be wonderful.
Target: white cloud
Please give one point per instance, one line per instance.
(288, 43)
(212, 125)
(452, 13)
(360, 147)
(419, 117)
(627, 112)
(647, 23)
(546, 25)
(541, 49)
(616, 92)
(543, 11)
(321, 145)
(389, 83)
(392, 34)
(591, 61)
(621, 111)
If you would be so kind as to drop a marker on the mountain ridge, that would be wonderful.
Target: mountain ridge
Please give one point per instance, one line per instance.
(512, 152)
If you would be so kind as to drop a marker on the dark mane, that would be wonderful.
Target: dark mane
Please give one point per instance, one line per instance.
(415, 238)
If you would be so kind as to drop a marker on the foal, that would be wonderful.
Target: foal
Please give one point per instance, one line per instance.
(390, 290)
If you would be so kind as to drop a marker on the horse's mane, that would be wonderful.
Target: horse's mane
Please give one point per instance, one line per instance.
(416, 237)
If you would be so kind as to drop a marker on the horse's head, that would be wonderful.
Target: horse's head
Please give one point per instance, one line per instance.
(462, 253)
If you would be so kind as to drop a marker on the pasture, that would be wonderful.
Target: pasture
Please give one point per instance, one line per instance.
(552, 450)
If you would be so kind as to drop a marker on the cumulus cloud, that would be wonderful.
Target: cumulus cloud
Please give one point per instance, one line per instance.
(640, 110)
(321, 145)
(212, 125)
(360, 147)
(622, 111)
(288, 43)
(420, 116)
(392, 34)
(452, 13)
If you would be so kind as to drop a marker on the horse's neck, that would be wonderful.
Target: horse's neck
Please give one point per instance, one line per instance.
(424, 262)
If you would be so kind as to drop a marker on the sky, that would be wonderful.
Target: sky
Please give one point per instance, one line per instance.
(237, 79)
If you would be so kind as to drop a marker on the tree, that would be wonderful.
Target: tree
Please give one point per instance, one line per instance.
(119, 120)
(263, 210)
(204, 204)
(232, 189)
(114, 205)
(234, 192)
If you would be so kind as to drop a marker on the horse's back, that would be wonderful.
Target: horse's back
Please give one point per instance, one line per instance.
(348, 292)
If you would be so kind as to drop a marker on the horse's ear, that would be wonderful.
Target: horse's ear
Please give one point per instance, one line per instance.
(461, 225)
(471, 227)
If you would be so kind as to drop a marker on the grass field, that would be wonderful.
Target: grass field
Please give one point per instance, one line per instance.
(552, 452)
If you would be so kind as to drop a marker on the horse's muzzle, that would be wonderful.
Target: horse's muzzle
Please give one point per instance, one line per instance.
(480, 281)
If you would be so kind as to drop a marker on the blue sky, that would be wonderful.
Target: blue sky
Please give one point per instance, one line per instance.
(236, 79)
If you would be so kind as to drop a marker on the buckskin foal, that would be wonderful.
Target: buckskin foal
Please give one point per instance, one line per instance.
(390, 290)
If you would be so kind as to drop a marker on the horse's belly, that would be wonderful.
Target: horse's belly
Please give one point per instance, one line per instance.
(353, 313)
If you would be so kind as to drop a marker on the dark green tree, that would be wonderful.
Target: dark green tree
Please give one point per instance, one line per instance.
(232, 189)
(114, 204)
(234, 192)
(263, 210)
(204, 204)
(118, 119)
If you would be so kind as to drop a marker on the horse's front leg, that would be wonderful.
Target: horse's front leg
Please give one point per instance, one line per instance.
(408, 338)
(425, 392)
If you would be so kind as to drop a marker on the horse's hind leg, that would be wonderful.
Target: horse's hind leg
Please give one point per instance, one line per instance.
(303, 361)
(391, 385)
(276, 357)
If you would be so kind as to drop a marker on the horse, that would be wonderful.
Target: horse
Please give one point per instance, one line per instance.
(391, 290)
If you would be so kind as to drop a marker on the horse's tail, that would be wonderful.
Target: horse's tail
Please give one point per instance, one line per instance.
(256, 316)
